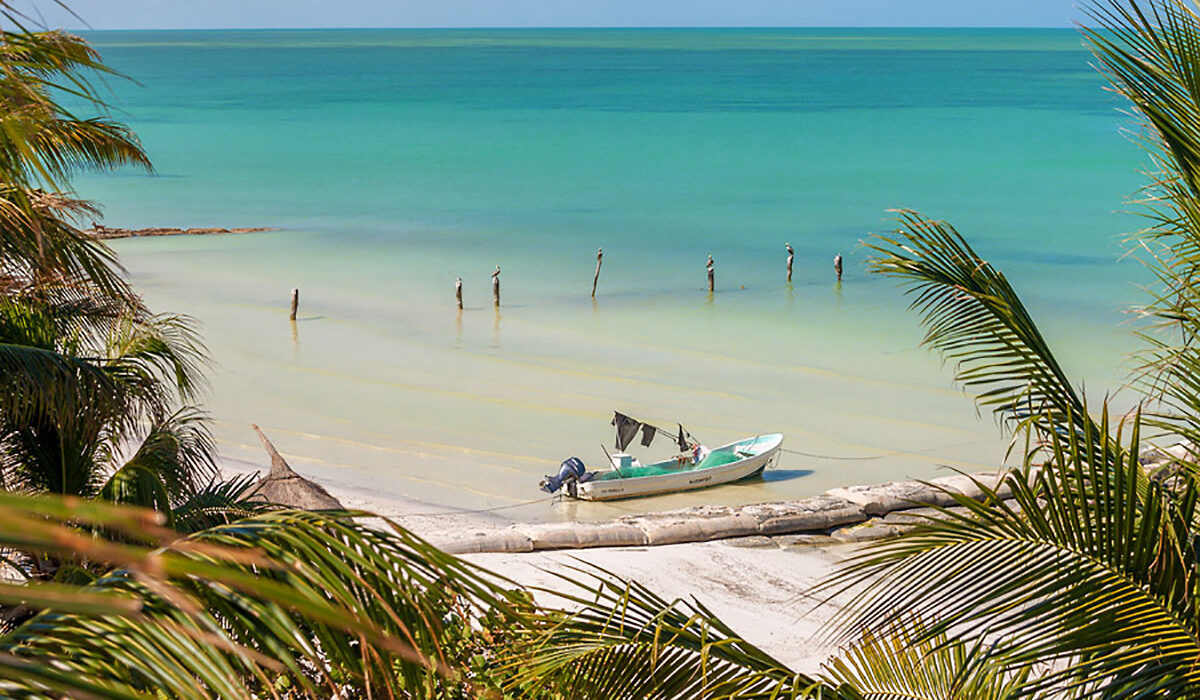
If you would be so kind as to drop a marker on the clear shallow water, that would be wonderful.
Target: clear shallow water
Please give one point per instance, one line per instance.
(394, 161)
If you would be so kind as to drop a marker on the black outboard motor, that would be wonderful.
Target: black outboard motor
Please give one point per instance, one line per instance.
(572, 470)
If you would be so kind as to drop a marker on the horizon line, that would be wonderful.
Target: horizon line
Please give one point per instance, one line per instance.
(580, 27)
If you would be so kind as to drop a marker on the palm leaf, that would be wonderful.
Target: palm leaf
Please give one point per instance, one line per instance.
(623, 641)
(1151, 53)
(137, 485)
(1092, 568)
(179, 451)
(905, 662)
(219, 503)
(975, 319)
(330, 605)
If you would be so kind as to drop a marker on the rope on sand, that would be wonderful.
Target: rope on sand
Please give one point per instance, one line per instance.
(477, 510)
(883, 455)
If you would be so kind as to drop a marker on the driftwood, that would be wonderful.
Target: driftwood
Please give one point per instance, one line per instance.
(295, 304)
(596, 279)
(285, 487)
(105, 233)
(458, 293)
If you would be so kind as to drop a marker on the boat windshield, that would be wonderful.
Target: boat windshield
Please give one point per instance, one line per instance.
(716, 458)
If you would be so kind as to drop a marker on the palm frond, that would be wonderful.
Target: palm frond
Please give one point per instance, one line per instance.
(975, 319)
(137, 485)
(152, 357)
(316, 601)
(219, 503)
(1151, 54)
(1092, 568)
(40, 141)
(904, 662)
(35, 382)
(623, 641)
(180, 451)
(39, 244)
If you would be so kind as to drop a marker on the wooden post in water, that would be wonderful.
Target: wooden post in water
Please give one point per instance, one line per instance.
(596, 279)
(837, 266)
(458, 292)
(295, 304)
(791, 256)
(496, 286)
(709, 267)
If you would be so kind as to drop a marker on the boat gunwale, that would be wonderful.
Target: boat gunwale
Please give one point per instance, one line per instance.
(776, 442)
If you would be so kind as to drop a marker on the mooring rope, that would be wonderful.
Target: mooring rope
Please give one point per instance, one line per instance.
(442, 513)
(883, 455)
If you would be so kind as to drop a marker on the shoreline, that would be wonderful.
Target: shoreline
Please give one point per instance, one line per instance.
(843, 515)
(753, 566)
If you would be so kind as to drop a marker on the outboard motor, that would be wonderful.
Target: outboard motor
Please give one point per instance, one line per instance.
(572, 470)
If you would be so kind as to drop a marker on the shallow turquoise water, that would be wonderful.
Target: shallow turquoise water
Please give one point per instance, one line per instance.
(394, 161)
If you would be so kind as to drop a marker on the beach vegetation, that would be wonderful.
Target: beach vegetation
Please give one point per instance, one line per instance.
(97, 393)
(128, 567)
(281, 604)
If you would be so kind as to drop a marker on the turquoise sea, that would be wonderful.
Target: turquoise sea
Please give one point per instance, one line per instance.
(394, 161)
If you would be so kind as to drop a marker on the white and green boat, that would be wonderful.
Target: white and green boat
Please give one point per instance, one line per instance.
(627, 478)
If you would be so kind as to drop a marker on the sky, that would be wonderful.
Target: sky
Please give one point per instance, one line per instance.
(201, 14)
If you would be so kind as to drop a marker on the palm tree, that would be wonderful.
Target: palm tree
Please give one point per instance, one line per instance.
(88, 371)
(284, 604)
(95, 402)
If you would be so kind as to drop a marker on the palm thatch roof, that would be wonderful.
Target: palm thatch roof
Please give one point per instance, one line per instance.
(285, 487)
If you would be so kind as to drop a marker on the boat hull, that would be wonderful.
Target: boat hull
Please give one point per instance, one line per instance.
(685, 480)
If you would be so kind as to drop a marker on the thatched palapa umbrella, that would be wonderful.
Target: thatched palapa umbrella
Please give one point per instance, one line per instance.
(287, 488)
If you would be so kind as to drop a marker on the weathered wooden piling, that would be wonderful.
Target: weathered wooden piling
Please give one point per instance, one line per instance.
(496, 286)
(837, 266)
(596, 279)
(709, 267)
(458, 292)
(791, 257)
(295, 304)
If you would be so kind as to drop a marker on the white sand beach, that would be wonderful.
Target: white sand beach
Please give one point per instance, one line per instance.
(756, 586)
(761, 592)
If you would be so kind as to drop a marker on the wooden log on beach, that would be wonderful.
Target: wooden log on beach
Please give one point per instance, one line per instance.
(596, 279)
(791, 256)
(837, 266)
(496, 286)
(295, 304)
(458, 292)
(709, 266)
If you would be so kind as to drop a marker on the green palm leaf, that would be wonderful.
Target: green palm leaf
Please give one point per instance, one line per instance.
(39, 139)
(219, 503)
(138, 485)
(623, 641)
(1151, 53)
(315, 601)
(1090, 568)
(179, 451)
(905, 662)
(975, 319)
